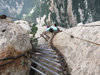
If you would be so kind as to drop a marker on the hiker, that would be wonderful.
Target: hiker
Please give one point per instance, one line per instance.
(52, 29)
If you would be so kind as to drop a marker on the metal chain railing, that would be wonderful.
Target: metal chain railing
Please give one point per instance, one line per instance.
(72, 36)
(10, 58)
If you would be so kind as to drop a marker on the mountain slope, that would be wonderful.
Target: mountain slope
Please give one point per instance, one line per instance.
(66, 13)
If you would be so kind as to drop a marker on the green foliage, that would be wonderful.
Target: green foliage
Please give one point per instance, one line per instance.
(92, 8)
(75, 9)
(34, 41)
(33, 30)
(40, 10)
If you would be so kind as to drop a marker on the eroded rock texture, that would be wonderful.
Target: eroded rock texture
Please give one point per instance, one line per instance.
(14, 41)
(83, 57)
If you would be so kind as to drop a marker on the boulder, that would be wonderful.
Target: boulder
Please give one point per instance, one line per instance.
(82, 50)
(24, 24)
(14, 41)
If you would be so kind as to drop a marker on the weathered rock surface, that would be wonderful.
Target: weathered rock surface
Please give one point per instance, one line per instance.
(82, 57)
(14, 41)
(24, 24)
(40, 30)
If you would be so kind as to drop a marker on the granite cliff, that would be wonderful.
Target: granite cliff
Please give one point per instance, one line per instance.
(80, 46)
(14, 41)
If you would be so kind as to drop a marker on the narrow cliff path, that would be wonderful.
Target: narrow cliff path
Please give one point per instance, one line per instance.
(49, 61)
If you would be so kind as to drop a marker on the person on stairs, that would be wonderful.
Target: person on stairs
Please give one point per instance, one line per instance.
(52, 29)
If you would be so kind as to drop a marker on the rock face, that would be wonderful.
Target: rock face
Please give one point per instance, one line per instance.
(66, 13)
(24, 24)
(40, 30)
(14, 41)
(83, 57)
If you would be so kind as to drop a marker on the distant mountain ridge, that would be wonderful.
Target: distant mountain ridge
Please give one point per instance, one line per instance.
(15, 8)
(66, 13)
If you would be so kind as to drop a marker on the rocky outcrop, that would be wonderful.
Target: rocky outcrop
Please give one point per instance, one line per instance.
(24, 24)
(71, 18)
(81, 52)
(14, 41)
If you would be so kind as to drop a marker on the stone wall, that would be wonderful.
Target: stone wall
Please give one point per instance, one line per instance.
(80, 53)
